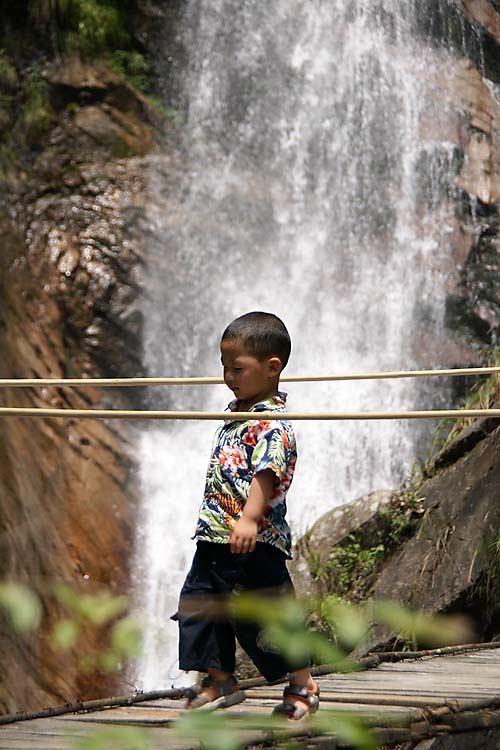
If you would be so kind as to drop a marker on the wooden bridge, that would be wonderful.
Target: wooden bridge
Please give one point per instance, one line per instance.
(410, 703)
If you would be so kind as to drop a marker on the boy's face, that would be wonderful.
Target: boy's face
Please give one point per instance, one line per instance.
(250, 379)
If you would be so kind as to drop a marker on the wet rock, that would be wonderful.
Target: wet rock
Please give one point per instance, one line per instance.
(332, 528)
(450, 563)
(68, 490)
(70, 279)
(110, 127)
(470, 128)
(81, 84)
(156, 25)
(445, 561)
(465, 441)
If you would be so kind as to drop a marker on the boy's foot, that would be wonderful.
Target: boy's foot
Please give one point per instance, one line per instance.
(299, 701)
(213, 694)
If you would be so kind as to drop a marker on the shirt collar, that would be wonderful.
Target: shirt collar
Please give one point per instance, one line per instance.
(273, 403)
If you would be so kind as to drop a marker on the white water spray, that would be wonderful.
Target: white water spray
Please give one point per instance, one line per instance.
(299, 197)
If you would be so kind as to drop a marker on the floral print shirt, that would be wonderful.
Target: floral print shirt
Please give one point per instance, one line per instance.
(240, 450)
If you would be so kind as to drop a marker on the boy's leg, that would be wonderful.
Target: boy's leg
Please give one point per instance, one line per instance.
(205, 643)
(265, 573)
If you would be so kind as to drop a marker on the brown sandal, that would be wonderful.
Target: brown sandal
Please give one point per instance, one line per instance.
(228, 694)
(310, 699)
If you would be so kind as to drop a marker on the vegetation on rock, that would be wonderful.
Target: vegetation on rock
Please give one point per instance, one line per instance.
(484, 394)
(353, 564)
(35, 37)
(88, 27)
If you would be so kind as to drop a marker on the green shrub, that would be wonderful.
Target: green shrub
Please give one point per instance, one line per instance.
(89, 27)
(36, 113)
(8, 74)
(132, 66)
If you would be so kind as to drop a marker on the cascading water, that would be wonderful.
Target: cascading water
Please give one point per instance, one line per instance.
(298, 196)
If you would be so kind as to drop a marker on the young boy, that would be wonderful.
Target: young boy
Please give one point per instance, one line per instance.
(242, 535)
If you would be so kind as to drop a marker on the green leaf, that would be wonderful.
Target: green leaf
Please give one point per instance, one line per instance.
(347, 622)
(109, 661)
(96, 608)
(65, 595)
(258, 451)
(126, 637)
(212, 730)
(424, 629)
(65, 634)
(346, 727)
(103, 607)
(21, 605)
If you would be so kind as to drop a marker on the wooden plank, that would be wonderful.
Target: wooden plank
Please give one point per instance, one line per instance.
(406, 687)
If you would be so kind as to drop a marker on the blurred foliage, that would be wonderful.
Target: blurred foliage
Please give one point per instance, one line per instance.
(92, 29)
(132, 66)
(89, 27)
(21, 606)
(99, 610)
(216, 731)
(36, 112)
(284, 623)
(26, 114)
(8, 73)
(103, 612)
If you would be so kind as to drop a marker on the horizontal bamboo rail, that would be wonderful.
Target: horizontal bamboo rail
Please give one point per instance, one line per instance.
(135, 382)
(243, 416)
(367, 662)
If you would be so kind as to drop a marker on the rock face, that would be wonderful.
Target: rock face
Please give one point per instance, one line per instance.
(70, 274)
(471, 129)
(334, 527)
(446, 562)
(452, 561)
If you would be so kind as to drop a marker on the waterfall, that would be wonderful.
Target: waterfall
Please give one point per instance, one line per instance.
(298, 192)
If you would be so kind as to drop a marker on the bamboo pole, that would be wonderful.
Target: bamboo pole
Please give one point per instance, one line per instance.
(134, 382)
(311, 737)
(242, 416)
(374, 659)
(93, 705)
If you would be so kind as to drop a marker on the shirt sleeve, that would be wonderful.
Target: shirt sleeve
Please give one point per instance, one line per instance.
(272, 451)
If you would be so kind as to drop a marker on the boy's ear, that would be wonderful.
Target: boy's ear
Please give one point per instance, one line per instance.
(275, 366)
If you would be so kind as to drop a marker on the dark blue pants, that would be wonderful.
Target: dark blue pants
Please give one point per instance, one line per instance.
(206, 641)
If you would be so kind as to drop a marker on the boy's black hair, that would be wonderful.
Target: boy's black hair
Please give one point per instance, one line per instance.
(263, 335)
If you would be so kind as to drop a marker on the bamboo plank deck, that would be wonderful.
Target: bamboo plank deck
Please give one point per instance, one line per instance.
(390, 696)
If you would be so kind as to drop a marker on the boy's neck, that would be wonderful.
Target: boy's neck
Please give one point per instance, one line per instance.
(246, 405)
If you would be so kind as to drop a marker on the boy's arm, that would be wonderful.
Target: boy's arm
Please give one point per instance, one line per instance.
(245, 530)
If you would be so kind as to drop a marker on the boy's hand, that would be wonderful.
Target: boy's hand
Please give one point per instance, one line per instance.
(244, 535)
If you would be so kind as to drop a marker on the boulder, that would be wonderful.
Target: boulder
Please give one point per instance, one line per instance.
(86, 84)
(452, 562)
(433, 546)
(314, 550)
(123, 134)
